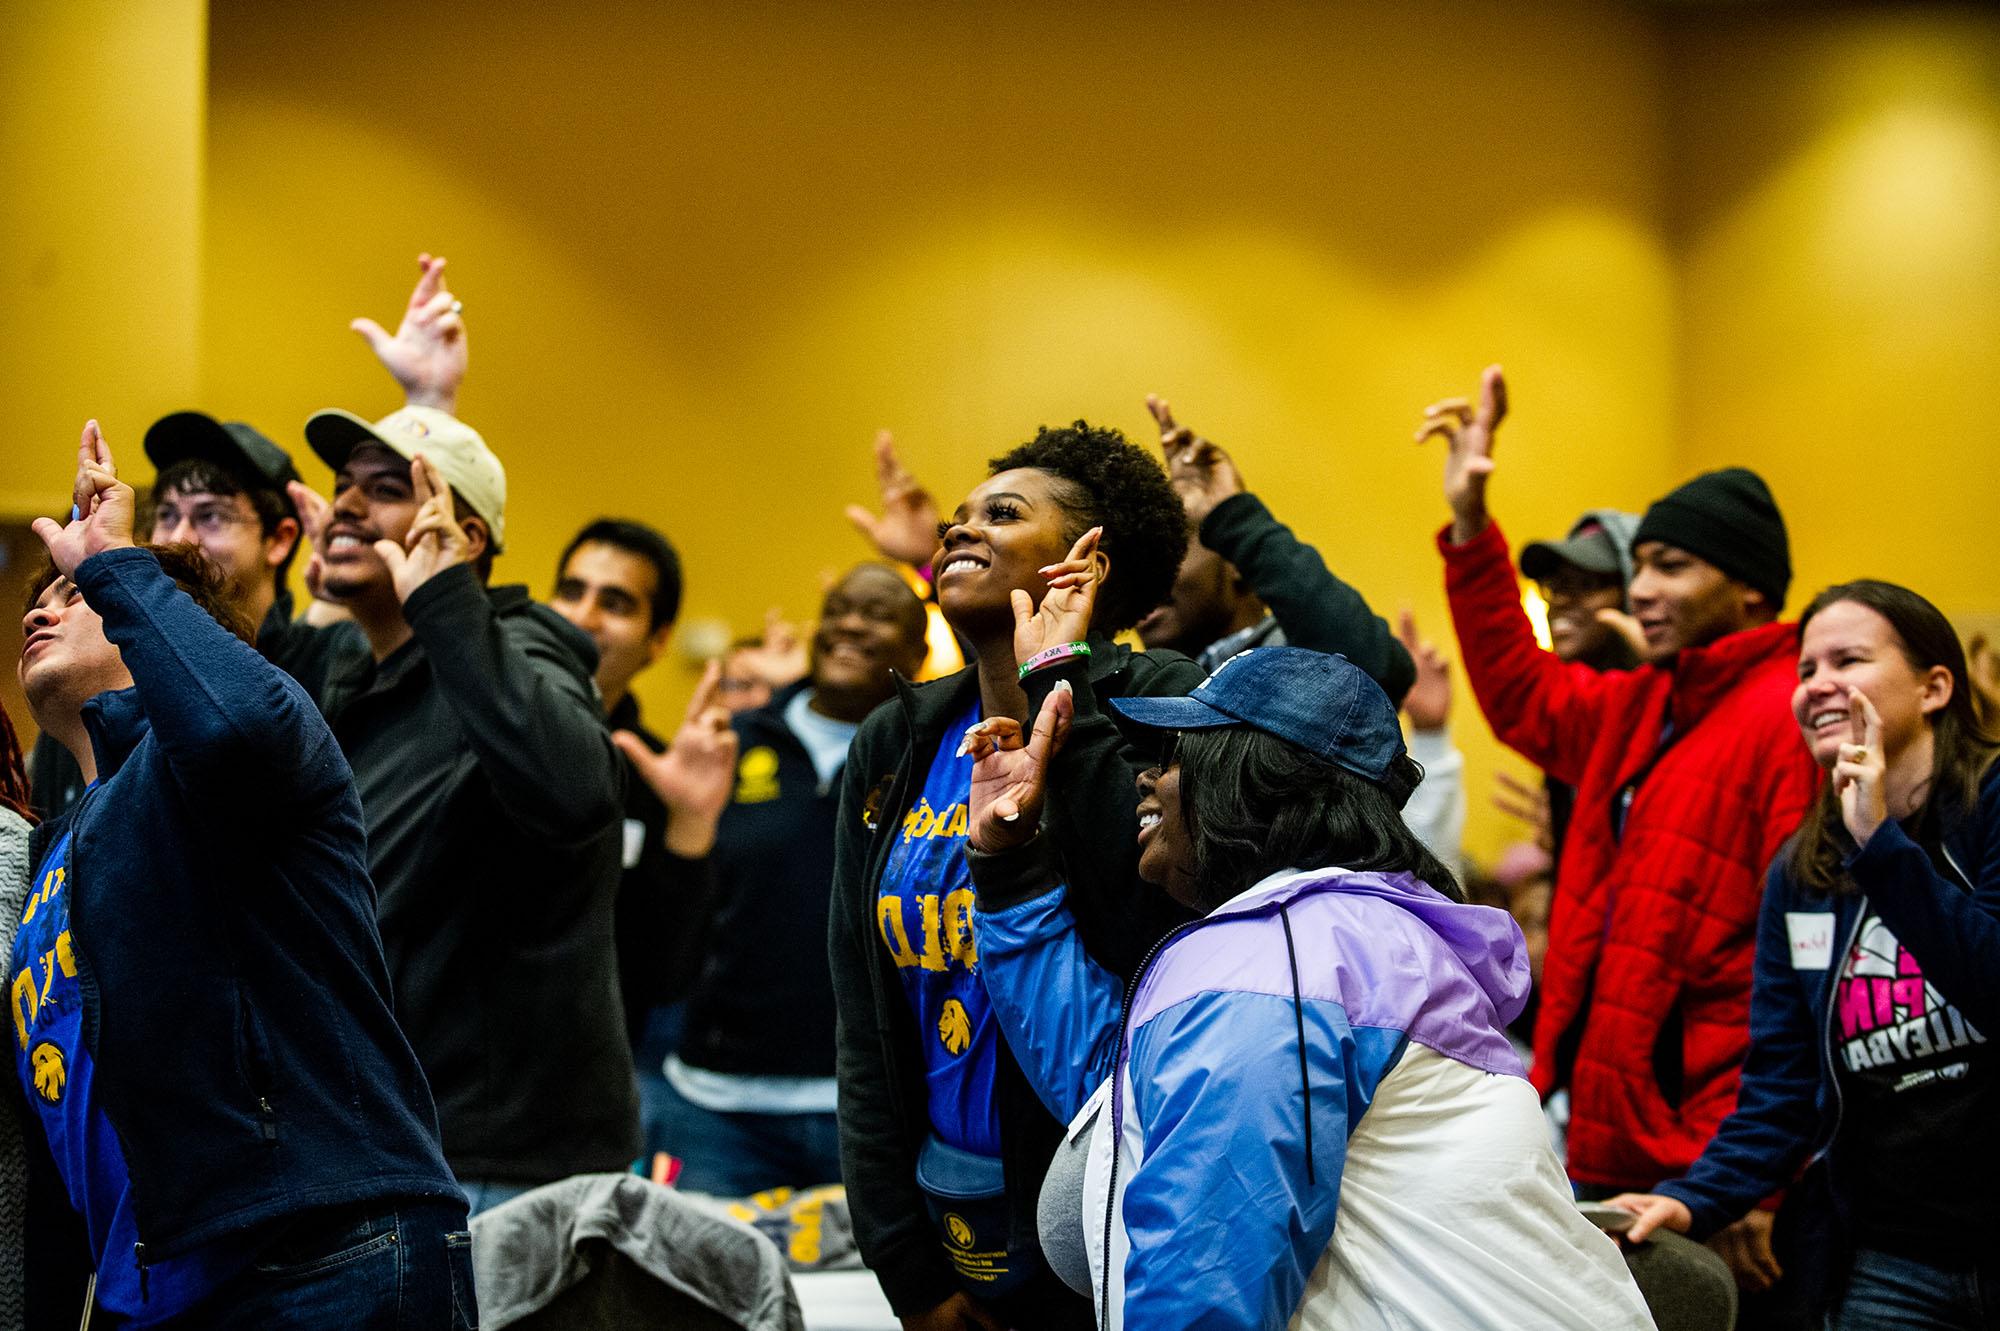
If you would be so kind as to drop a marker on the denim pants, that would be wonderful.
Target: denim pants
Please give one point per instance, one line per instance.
(407, 1268)
(1886, 1292)
(735, 1155)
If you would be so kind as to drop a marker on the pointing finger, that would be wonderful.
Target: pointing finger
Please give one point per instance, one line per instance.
(705, 690)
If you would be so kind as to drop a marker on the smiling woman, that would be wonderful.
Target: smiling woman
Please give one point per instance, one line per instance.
(1875, 990)
(1327, 1041)
(948, 1226)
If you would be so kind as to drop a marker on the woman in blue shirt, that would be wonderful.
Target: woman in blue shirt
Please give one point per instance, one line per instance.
(1876, 988)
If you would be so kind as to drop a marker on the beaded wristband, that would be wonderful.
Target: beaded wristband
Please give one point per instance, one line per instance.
(1062, 651)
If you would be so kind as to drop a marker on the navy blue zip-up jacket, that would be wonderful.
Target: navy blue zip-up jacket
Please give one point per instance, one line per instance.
(237, 1006)
(1788, 1109)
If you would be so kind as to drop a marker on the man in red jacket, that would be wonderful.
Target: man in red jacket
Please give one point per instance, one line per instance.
(1689, 775)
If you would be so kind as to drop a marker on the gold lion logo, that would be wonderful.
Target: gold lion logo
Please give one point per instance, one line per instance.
(50, 1073)
(757, 776)
(954, 1027)
(961, 1233)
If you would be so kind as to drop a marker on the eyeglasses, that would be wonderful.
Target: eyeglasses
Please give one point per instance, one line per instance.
(206, 519)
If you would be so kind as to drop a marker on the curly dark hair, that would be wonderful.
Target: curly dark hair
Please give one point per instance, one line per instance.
(1113, 483)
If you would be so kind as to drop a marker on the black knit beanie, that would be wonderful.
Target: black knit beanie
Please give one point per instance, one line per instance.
(1728, 518)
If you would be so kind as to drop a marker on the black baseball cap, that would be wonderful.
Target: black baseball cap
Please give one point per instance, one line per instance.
(1323, 703)
(235, 447)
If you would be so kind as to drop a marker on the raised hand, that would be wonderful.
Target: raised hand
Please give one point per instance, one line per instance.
(1202, 474)
(1530, 804)
(435, 541)
(1859, 775)
(696, 775)
(1468, 430)
(105, 508)
(1428, 703)
(315, 511)
(1627, 628)
(428, 353)
(1010, 777)
(781, 659)
(907, 531)
(1064, 614)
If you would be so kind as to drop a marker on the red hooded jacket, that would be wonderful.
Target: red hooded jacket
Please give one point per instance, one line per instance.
(1645, 1002)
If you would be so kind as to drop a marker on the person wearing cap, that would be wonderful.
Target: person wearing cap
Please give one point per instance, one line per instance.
(1689, 778)
(1303, 1108)
(493, 799)
(221, 486)
(1582, 579)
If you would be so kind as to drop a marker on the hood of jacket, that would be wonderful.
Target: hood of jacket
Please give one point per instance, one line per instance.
(1484, 939)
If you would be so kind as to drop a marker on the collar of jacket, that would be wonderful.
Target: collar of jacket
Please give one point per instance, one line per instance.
(115, 722)
(1703, 676)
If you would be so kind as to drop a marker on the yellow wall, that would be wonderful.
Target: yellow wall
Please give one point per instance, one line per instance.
(705, 256)
(706, 252)
(1838, 181)
(100, 243)
(100, 227)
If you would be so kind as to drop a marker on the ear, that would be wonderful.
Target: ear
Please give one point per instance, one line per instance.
(1107, 567)
(1938, 688)
(1757, 607)
(279, 544)
(478, 538)
(656, 641)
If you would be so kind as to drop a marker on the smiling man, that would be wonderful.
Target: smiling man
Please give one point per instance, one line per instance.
(751, 1090)
(491, 792)
(1689, 777)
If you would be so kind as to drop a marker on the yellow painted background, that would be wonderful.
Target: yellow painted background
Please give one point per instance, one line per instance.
(707, 250)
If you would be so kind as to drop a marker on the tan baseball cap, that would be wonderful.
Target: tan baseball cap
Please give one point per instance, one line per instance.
(453, 447)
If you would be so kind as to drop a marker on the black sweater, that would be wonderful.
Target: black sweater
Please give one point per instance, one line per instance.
(1092, 823)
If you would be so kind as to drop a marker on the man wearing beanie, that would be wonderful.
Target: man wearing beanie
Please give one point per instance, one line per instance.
(1689, 777)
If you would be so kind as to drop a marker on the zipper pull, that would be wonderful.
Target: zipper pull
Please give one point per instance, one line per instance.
(267, 1119)
(139, 1258)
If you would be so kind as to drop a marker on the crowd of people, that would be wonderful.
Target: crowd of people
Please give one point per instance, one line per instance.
(1083, 891)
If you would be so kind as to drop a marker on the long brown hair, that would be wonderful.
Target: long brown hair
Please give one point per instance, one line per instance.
(13, 774)
(1962, 747)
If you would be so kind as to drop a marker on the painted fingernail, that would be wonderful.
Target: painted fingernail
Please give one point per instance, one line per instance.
(1011, 817)
(1062, 686)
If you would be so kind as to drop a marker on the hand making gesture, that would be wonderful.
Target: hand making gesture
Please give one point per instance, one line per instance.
(1469, 463)
(907, 531)
(435, 541)
(1859, 775)
(1428, 703)
(105, 508)
(1010, 777)
(695, 777)
(1064, 614)
(1202, 474)
(428, 353)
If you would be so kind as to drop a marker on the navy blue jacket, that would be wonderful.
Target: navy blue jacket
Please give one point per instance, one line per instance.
(237, 1006)
(1788, 1109)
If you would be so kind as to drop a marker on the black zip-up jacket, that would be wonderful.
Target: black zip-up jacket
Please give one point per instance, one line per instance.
(1313, 607)
(1092, 825)
(494, 802)
(764, 1003)
(237, 1006)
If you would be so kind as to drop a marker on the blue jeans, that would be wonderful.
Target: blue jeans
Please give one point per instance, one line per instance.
(735, 1155)
(408, 1268)
(1891, 1293)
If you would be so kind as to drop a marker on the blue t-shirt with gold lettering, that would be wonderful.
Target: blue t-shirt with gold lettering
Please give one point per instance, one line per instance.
(923, 914)
(45, 1003)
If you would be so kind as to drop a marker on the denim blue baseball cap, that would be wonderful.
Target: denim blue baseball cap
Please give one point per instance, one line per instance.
(1325, 704)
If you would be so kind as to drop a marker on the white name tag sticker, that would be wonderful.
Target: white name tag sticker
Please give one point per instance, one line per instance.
(635, 841)
(1812, 939)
